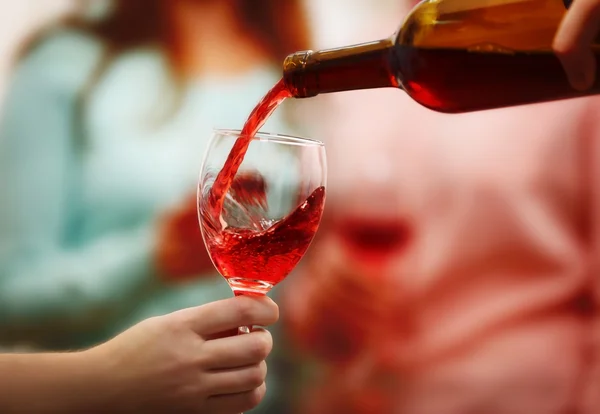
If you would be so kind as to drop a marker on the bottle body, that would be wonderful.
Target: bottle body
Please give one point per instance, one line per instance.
(452, 56)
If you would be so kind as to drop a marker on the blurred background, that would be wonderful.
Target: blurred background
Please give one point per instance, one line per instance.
(332, 22)
(454, 271)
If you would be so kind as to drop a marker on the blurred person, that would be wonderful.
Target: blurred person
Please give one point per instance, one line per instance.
(181, 362)
(106, 121)
(456, 268)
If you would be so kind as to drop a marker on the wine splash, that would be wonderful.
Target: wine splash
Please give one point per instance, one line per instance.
(255, 255)
(265, 258)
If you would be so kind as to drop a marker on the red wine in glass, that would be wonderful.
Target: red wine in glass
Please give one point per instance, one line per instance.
(266, 257)
(251, 245)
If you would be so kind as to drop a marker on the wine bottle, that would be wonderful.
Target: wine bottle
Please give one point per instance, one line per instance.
(451, 56)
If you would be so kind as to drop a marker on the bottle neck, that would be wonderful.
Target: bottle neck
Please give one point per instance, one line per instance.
(363, 66)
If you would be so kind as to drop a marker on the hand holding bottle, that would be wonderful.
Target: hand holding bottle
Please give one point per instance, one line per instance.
(572, 43)
(478, 73)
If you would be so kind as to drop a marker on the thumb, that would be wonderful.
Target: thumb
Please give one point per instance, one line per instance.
(228, 314)
(573, 40)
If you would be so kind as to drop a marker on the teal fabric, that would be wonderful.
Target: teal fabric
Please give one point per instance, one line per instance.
(78, 211)
(80, 200)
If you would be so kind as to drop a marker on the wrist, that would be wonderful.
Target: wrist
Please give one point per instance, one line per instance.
(94, 368)
(105, 375)
(52, 383)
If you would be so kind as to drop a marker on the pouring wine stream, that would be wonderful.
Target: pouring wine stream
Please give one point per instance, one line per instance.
(259, 115)
(254, 245)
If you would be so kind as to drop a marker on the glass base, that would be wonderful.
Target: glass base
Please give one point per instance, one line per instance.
(249, 287)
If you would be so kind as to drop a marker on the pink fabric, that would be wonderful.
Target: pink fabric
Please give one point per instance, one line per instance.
(491, 305)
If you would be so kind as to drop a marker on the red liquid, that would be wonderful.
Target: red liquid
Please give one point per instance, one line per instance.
(253, 262)
(455, 80)
(250, 190)
(256, 120)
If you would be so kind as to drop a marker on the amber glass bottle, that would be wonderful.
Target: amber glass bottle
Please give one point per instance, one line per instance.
(451, 56)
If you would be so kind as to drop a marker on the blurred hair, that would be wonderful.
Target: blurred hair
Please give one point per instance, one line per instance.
(279, 26)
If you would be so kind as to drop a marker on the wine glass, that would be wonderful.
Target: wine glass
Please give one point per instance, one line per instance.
(269, 214)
